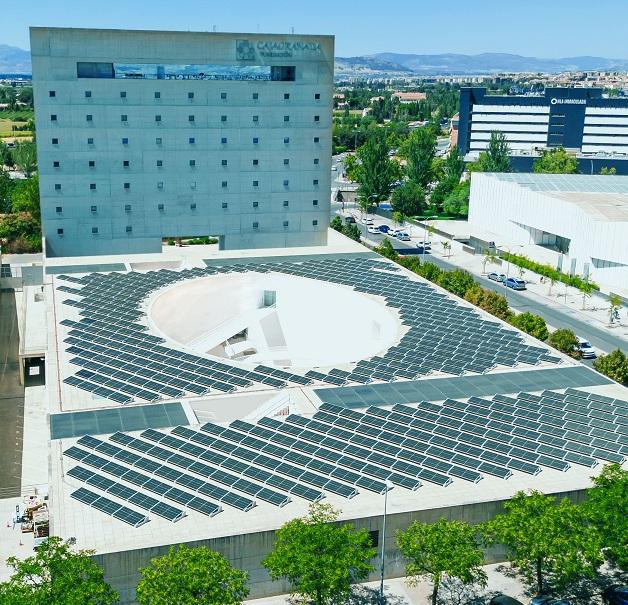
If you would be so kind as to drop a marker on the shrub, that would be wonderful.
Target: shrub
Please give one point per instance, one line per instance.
(565, 341)
(614, 365)
(489, 300)
(430, 271)
(336, 224)
(386, 250)
(531, 324)
(457, 281)
(352, 231)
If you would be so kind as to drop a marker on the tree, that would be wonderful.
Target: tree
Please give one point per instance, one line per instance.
(457, 281)
(6, 191)
(420, 152)
(25, 197)
(565, 341)
(57, 575)
(531, 324)
(443, 549)
(25, 157)
(556, 161)
(351, 167)
(587, 290)
(431, 272)
(614, 306)
(6, 157)
(546, 538)
(352, 231)
(386, 250)
(408, 199)
(320, 559)
(376, 172)
(614, 365)
(457, 202)
(489, 300)
(606, 505)
(495, 158)
(336, 223)
(607, 170)
(191, 576)
(453, 166)
(489, 257)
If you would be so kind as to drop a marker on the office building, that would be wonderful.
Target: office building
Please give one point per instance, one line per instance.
(144, 135)
(581, 120)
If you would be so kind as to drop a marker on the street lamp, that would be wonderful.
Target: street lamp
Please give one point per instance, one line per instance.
(389, 486)
(425, 228)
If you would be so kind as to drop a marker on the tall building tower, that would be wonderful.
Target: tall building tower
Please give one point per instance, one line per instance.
(143, 135)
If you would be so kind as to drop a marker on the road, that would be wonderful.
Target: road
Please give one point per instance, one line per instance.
(520, 302)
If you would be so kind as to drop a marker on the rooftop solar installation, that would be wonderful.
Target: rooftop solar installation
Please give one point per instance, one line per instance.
(119, 359)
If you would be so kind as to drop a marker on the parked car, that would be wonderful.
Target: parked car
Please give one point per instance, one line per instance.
(584, 346)
(503, 599)
(515, 283)
(367, 220)
(349, 219)
(334, 169)
(500, 277)
(403, 237)
(374, 229)
(615, 595)
(384, 229)
(395, 232)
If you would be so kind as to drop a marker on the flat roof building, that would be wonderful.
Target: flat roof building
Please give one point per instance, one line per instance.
(578, 119)
(409, 97)
(147, 134)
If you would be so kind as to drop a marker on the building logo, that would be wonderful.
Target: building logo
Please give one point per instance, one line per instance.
(555, 101)
(245, 51)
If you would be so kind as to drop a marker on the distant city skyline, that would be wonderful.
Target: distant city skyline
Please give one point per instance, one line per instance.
(534, 28)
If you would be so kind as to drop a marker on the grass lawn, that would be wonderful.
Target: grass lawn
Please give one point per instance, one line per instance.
(19, 115)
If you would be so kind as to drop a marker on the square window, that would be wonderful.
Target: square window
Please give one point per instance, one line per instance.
(125, 163)
(91, 163)
(286, 140)
(190, 118)
(255, 162)
(256, 118)
(53, 117)
(127, 207)
(160, 206)
(95, 230)
(316, 139)
(314, 202)
(255, 183)
(224, 184)
(317, 95)
(127, 185)
(286, 118)
(123, 94)
(125, 141)
(286, 203)
(286, 96)
(160, 184)
(158, 141)
(124, 118)
(55, 164)
(192, 206)
(190, 95)
(255, 96)
(255, 204)
(286, 162)
(157, 95)
(59, 209)
(160, 163)
(224, 162)
(285, 223)
(94, 208)
(286, 182)
(314, 223)
(157, 118)
(223, 140)
(59, 231)
(315, 182)
(255, 140)
(52, 93)
(224, 205)
(88, 94)
(90, 141)
(191, 140)
(92, 186)
(192, 184)
(317, 118)
(56, 141)
(223, 118)
(57, 186)
(129, 228)
(223, 95)
(255, 225)
(192, 162)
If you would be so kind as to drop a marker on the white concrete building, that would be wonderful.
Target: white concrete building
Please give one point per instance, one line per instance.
(147, 134)
(584, 217)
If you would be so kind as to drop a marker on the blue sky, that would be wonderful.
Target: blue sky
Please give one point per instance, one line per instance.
(541, 28)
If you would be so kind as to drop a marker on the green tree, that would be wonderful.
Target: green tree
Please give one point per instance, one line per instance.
(495, 158)
(614, 365)
(556, 161)
(453, 166)
(442, 549)
(336, 223)
(352, 231)
(614, 306)
(386, 249)
(408, 199)
(420, 151)
(488, 258)
(25, 157)
(606, 505)
(489, 300)
(587, 290)
(320, 559)
(6, 157)
(565, 341)
(6, 191)
(546, 538)
(607, 170)
(531, 324)
(191, 576)
(457, 281)
(351, 167)
(25, 197)
(431, 272)
(457, 202)
(56, 575)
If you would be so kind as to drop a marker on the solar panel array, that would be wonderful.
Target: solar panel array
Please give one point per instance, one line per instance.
(120, 360)
(342, 452)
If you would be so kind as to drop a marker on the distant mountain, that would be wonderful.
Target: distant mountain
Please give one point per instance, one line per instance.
(14, 60)
(486, 63)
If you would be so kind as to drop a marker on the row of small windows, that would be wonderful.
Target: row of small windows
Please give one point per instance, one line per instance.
(190, 96)
(160, 184)
(191, 118)
(160, 163)
(191, 140)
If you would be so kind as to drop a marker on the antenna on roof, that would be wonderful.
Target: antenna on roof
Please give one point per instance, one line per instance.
(292, 30)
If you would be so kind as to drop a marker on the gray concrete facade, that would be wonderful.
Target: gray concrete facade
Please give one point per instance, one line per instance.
(145, 134)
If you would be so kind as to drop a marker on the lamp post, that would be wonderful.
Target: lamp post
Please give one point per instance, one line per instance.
(381, 579)
(425, 228)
